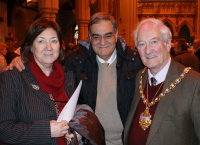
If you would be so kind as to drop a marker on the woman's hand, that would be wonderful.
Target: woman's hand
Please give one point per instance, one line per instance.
(16, 62)
(58, 129)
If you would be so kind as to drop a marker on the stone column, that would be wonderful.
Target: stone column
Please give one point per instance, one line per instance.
(48, 8)
(82, 17)
(2, 36)
(134, 20)
(198, 20)
(103, 6)
(128, 19)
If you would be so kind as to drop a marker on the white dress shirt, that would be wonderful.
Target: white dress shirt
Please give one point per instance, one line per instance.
(160, 76)
(110, 60)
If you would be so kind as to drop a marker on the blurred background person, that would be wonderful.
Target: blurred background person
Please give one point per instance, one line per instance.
(69, 49)
(196, 46)
(172, 51)
(185, 57)
(3, 51)
(17, 47)
(10, 50)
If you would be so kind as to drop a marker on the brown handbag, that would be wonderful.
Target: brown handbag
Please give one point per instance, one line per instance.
(88, 126)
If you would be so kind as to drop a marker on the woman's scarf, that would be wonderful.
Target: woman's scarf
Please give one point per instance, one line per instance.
(52, 84)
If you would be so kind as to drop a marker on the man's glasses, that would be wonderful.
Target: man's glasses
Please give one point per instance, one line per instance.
(98, 38)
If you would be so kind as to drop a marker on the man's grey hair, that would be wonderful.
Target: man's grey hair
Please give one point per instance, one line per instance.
(164, 30)
(101, 16)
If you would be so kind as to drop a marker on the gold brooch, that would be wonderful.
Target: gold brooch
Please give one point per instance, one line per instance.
(36, 87)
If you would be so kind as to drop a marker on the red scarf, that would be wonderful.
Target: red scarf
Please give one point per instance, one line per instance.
(52, 84)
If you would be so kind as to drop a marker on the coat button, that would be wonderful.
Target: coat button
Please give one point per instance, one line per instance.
(133, 58)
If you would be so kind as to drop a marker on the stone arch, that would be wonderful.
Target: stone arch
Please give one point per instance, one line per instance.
(185, 33)
(117, 11)
(171, 24)
(185, 26)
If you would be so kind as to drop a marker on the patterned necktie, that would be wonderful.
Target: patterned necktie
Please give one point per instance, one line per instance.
(153, 81)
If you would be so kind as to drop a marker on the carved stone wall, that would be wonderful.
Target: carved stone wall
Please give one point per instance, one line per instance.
(177, 13)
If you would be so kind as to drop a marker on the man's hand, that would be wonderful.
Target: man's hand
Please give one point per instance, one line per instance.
(16, 62)
(58, 129)
(69, 137)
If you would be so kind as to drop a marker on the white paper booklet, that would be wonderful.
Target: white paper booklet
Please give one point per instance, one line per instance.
(69, 109)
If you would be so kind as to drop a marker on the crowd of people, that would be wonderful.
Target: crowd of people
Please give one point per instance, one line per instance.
(148, 95)
(184, 56)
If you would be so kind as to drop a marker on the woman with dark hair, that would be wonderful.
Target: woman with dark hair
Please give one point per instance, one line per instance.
(31, 100)
(27, 114)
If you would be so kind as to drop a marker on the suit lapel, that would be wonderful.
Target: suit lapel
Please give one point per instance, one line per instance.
(34, 87)
(134, 105)
(164, 103)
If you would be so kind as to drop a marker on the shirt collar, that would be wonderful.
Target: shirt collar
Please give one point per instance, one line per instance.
(160, 76)
(110, 60)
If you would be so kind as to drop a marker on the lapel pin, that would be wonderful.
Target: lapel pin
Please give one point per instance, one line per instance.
(36, 87)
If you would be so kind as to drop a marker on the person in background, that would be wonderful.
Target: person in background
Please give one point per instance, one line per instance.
(17, 47)
(108, 69)
(3, 51)
(166, 105)
(185, 57)
(10, 43)
(69, 49)
(10, 50)
(172, 51)
(196, 46)
(32, 100)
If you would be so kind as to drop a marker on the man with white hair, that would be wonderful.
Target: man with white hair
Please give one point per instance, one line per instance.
(166, 105)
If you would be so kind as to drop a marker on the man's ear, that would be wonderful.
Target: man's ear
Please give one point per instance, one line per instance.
(116, 36)
(90, 37)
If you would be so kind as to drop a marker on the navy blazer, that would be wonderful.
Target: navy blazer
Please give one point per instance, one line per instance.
(25, 110)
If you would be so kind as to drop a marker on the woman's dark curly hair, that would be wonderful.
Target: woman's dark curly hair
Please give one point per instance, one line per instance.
(35, 29)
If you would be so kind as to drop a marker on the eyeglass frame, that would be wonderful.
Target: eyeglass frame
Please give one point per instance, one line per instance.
(98, 38)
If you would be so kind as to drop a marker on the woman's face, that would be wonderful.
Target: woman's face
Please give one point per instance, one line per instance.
(46, 48)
